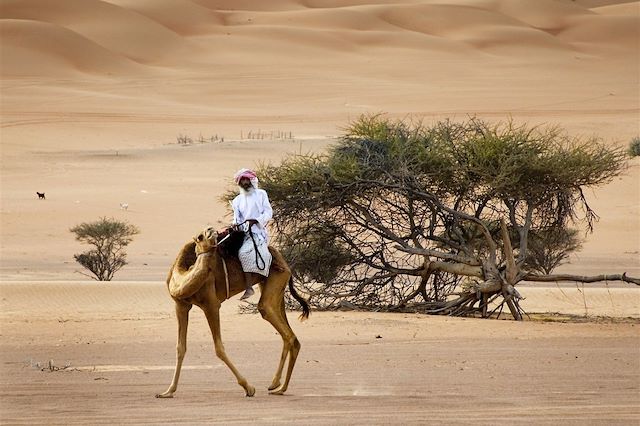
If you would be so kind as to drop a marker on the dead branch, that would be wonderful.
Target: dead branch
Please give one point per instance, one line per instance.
(582, 278)
(440, 255)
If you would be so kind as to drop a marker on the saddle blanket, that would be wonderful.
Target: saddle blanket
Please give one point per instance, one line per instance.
(252, 261)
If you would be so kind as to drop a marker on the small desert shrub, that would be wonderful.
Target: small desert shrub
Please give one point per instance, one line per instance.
(551, 247)
(109, 237)
(634, 147)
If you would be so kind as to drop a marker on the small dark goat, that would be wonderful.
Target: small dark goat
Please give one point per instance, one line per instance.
(40, 195)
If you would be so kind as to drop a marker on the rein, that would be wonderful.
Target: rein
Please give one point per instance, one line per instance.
(255, 248)
(255, 245)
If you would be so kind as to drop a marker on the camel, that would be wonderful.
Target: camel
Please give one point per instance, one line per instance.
(201, 276)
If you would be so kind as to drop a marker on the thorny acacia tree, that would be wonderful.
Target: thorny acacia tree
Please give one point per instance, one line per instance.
(398, 215)
(109, 238)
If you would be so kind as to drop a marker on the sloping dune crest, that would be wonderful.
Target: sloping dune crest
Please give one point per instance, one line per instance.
(613, 32)
(32, 48)
(482, 28)
(122, 31)
(184, 17)
(623, 9)
(193, 33)
(252, 5)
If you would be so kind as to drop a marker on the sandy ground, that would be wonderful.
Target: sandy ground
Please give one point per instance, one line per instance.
(117, 343)
(93, 97)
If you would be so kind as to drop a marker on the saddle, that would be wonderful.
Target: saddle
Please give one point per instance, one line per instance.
(231, 246)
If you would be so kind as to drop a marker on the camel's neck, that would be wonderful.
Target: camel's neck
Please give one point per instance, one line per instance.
(186, 258)
(190, 272)
(202, 262)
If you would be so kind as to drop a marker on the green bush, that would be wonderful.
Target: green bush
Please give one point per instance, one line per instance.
(109, 238)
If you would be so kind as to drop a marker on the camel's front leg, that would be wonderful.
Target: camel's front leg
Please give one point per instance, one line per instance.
(212, 313)
(182, 313)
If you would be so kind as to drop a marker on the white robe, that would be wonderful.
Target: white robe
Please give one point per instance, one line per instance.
(254, 205)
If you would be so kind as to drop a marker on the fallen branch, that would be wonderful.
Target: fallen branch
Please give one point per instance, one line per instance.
(582, 278)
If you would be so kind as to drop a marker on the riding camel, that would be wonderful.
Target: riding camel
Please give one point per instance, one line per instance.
(202, 276)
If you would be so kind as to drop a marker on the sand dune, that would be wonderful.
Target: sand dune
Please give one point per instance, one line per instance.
(624, 9)
(164, 31)
(548, 15)
(614, 32)
(108, 25)
(252, 5)
(184, 17)
(31, 48)
(601, 3)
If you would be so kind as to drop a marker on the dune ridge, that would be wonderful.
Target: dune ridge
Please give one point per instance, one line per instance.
(189, 34)
(39, 48)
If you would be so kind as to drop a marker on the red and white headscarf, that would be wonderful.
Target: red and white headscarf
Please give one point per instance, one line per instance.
(246, 173)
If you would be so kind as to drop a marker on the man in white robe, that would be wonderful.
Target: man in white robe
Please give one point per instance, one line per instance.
(251, 213)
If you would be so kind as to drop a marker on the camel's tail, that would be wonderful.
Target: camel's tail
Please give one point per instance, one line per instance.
(305, 305)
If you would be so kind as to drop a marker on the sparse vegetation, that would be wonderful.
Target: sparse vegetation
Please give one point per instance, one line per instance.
(51, 367)
(251, 135)
(634, 147)
(187, 140)
(269, 135)
(109, 237)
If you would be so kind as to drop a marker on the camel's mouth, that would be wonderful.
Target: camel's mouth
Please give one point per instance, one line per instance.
(206, 240)
(209, 234)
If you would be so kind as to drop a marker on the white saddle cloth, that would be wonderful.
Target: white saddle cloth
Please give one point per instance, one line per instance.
(252, 262)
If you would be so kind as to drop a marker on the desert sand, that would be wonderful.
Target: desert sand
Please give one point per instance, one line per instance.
(114, 343)
(93, 97)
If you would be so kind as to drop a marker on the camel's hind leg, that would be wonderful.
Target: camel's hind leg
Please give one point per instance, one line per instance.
(271, 306)
(212, 312)
(182, 314)
(275, 383)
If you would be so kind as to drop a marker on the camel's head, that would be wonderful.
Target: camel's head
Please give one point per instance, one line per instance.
(206, 240)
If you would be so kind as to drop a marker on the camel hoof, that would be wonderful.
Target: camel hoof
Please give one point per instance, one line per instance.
(277, 392)
(250, 391)
(274, 386)
(164, 395)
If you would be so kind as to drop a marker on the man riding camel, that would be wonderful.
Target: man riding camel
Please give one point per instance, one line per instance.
(251, 213)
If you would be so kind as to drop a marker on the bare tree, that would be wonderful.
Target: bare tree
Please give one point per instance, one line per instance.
(441, 219)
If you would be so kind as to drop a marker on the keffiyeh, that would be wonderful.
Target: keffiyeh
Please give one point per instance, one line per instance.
(246, 173)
